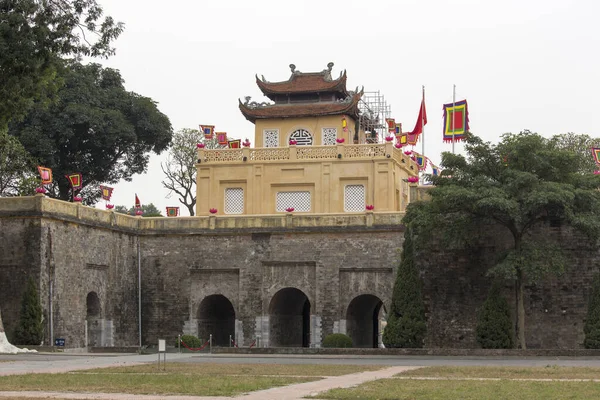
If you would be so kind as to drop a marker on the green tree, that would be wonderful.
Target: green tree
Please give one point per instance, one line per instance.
(592, 322)
(580, 145)
(96, 127)
(17, 176)
(34, 36)
(180, 166)
(516, 185)
(406, 324)
(494, 327)
(149, 210)
(30, 330)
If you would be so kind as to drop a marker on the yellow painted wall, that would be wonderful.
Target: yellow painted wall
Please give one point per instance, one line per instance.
(384, 178)
(312, 124)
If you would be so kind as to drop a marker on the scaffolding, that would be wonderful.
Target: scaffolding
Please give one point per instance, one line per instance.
(374, 110)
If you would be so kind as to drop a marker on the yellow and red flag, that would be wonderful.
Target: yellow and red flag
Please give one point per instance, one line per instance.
(456, 121)
(138, 204)
(106, 192)
(596, 153)
(234, 144)
(75, 180)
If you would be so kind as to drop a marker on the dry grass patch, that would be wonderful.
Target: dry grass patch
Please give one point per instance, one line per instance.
(157, 384)
(548, 372)
(400, 389)
(241, 369)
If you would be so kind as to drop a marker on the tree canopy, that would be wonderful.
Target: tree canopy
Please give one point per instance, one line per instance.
(95, 127)
(34, 36)
(523, 181)
(16, 168)
(180, 166)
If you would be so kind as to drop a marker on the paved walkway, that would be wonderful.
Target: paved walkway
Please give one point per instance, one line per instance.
(291, 392)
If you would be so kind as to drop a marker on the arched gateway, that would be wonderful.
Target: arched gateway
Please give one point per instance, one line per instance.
(94, 320)
(289, 319)
(216, 317)
(362, 320)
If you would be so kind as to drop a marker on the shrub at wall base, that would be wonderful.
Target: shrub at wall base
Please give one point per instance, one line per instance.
(30, 330)
(494, 327)
(337, 340)
(406, 325)
(592, 322)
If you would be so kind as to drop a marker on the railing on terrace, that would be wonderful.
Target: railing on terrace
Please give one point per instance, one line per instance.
(315, 153)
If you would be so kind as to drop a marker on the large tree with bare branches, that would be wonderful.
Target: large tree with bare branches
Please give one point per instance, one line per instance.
(180, 167)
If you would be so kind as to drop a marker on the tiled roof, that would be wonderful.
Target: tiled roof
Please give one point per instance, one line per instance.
(301, 110)
(304, 83)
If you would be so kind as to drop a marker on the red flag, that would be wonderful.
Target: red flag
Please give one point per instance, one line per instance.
(421, 122)
(138, 204)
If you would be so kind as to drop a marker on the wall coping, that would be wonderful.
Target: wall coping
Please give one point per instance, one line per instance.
(45, 207)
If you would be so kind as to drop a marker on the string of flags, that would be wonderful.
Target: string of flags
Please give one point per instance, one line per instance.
(222, 139)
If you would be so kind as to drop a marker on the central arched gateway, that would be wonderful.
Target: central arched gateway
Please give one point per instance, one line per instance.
(362, 320)
(216, 317)
(289, 319)
(94, 320)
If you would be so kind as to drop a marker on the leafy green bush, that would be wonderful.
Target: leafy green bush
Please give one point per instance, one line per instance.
(406, 324)
(494, 327)
(592, 323)
(337, 340)
(30, 330)
(190, 341)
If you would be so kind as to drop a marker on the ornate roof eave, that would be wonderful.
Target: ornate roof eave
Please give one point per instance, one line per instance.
(253, 111)
(295, 84)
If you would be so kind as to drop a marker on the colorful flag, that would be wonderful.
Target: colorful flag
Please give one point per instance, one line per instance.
(75, 180)
(234, 144)
(172, 211)
(222, 138)
(45, 174)
(435, 171)
(596, 153)
(403, 139)
(420, 160)
(391, 123)
(138, 204)
(106, 192)
(421, 122)
(456, 121)
(208, 131)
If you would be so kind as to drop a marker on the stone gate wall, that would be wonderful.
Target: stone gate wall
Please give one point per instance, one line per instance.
(332, 259)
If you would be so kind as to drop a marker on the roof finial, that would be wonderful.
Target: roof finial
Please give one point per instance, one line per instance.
(330, 66)
(293, 68)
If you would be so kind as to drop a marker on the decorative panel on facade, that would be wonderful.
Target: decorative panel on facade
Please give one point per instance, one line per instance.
(354, 198)
(271, 138)
(328, 136)
(234, 201)
(299, 201)
(302, 137)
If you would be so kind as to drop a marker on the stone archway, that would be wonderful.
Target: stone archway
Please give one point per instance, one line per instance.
(289, 319)
(362, 320)
(216, 317)
(95, 325)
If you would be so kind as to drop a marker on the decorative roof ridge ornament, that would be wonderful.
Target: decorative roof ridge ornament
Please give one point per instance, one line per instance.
(327, 72)
(254, 104)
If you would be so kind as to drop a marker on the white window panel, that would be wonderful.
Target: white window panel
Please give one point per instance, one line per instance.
(329, 135)
(234, 201)
(354, 198)
(299, 201)
(271, 138)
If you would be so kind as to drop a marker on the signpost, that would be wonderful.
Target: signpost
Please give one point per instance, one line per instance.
(60, 342)
(162, 348)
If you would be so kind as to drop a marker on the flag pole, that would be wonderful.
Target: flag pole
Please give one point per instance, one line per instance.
(423, 123)
(453, 114)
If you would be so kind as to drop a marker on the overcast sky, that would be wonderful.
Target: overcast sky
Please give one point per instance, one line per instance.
(527, 64)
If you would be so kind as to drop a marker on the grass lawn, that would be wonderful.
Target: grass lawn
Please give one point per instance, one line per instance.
(243, 369)
(400, 389)
(548, 372)
(178, 378)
